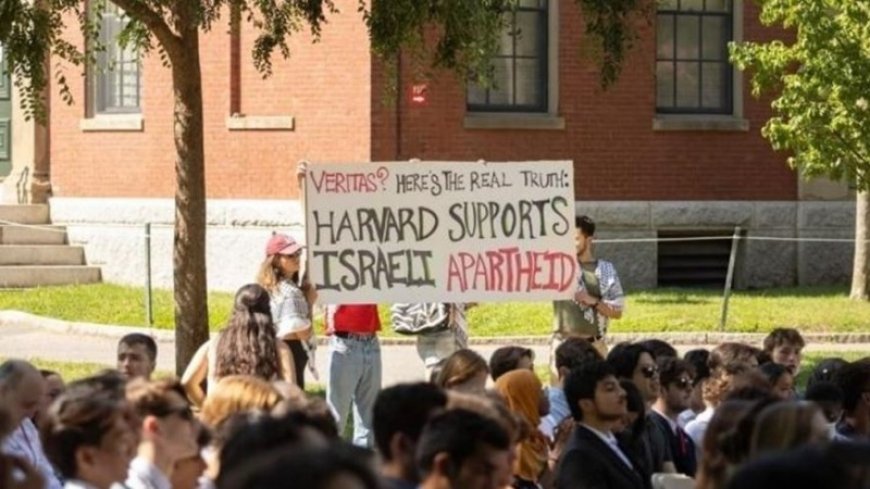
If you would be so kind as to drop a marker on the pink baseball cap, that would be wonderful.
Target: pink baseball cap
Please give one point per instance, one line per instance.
(281, 244)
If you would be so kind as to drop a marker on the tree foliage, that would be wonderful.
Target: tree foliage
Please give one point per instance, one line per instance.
(822, 76)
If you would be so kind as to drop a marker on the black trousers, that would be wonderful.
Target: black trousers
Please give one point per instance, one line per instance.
(300, 359)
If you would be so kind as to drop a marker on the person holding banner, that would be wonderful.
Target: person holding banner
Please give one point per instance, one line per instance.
(599, 298)
(354, 377)
(290, 303)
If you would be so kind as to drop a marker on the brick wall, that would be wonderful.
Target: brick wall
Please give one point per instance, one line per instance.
(324, 86)
(608, 134)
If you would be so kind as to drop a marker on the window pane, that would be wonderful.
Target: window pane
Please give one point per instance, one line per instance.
(715, 30)
(528, 82)
(692, 5)
(687, 37)
(687, 84)
(533, 3)
(714, 85)
(718, 5)
(476, 94)
(502, 91)
(664, 84)
(665, 36)
(667, 5)
(527, 34)
(506, 46)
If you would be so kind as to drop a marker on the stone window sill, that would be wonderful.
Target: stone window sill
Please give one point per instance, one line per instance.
(113, 123)
(260, 123)
(513, 121)
(687, 122)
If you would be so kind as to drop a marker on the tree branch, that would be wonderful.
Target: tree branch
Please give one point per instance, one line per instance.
(156, 24)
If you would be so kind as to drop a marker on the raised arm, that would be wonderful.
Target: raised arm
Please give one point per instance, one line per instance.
(194, 374)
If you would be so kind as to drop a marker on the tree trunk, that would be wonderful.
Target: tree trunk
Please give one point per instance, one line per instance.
(191, 307)
(861, 268)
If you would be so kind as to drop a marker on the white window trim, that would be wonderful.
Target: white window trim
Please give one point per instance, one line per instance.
(531, 120)
(125, 122)
(714, 122)
(238, 122)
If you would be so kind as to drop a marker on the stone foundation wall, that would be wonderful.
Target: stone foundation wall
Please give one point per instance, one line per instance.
(112, 232)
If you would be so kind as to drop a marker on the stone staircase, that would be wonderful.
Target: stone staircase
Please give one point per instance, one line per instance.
(31, 257)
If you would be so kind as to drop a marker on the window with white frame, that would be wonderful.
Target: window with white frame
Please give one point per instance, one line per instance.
(520, 69)
(115, 80)
(693, 74)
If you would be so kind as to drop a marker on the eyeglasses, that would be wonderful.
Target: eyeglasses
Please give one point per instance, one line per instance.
(684, 383)
(649, 372)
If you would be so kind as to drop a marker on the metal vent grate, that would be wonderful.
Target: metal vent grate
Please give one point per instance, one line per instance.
(693, 263)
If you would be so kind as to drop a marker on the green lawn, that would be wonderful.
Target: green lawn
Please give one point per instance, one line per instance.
(812, 309)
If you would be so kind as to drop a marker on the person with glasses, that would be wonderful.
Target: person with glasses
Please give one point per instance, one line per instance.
(168, 432)
(634, 362)
(674, 397)
(291, 301)
(598, 299)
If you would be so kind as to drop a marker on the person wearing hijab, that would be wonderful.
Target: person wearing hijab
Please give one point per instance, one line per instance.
(522, 393)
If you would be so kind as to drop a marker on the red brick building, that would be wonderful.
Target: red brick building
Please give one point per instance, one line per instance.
(673, 147)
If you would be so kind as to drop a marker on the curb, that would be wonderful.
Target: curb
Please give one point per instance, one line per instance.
(18, 318)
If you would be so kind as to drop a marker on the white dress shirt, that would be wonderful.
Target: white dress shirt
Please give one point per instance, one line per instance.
(24, 442)
(145, 475)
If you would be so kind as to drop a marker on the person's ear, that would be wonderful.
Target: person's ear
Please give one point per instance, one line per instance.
(401, 445)
(443, 465)
(586, 405)
(151, 425)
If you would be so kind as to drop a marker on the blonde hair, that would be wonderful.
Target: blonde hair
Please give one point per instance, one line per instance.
(268, 276)
(235, 394)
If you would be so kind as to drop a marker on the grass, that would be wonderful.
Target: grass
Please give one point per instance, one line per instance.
(812, 309)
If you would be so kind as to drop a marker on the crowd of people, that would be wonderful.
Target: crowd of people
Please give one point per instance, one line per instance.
(642, 417)
(634, 415)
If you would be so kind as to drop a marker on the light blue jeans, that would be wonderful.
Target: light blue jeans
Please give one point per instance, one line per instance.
(354, 381)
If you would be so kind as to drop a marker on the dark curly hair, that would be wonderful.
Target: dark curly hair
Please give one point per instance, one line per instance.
(248, 346)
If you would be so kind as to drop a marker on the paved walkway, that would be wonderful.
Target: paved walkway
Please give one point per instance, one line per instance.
(23, 339)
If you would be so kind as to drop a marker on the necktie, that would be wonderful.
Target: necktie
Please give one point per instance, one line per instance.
(684, 444)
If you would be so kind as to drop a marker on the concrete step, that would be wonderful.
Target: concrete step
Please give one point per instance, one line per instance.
(25, 213)
(41, 255)
(43, 235)
(40, 275)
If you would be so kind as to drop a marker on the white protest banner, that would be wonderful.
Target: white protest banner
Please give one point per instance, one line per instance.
(424, 231)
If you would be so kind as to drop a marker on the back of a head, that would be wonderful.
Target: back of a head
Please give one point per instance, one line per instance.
(825, 370)
(257, 434)
(12, 372)
(786, 425)
(312, 412)
(720, 444)
(660, 348)
(729, 353)
(156, 397)
(146, 341)
(854, 380)
(699, 358)
(460, 367)
(574, 352)
(624, 357)
(508, 358)
(458, 433)
(309, 467)
(810, 467)
(521, 390)
(238, 393)
(107, 382)
(773, 371)
(248, 346)
(582, 382)
(404, 408)
(80, 417)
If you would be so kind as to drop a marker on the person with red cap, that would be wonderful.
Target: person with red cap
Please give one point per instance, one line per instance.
(292, 299)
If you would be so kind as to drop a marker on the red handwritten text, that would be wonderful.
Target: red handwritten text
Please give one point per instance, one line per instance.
(509, 270)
